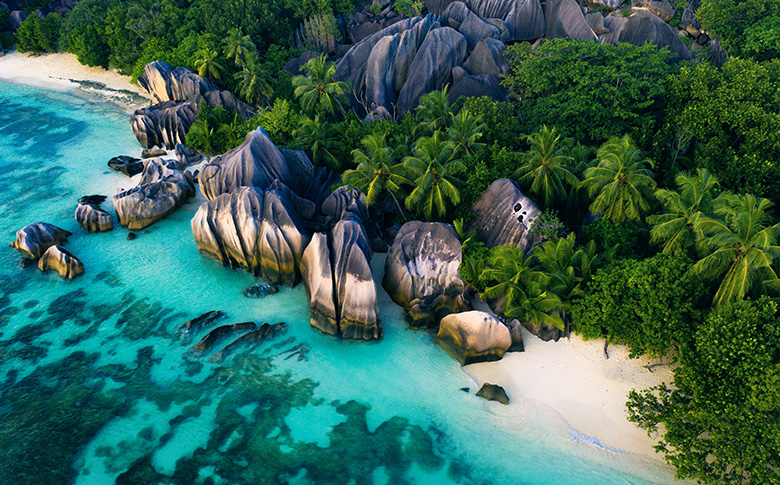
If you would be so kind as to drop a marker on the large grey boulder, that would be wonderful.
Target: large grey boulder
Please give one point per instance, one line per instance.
(257, 230)
(496, 9)
(93, 218)
(480, 85)
(437, 6)
(421, 273)
(353, 281)
(186, 155)
(564, 18)
(487, 58)
(62, 261)
(256, 162)
(164, 83)
(664, 9)
(317, 273)
(473, 337)
(33, 240)
(643, 27)
(526, 20)
(165, 124)
(443, 49)
(504, 216)
(475, 29)
(161, 190)
(605, 4)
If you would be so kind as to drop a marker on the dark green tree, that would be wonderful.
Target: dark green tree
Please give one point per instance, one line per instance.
(435, 171)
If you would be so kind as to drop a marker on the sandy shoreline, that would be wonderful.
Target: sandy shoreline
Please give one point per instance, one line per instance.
(62, 72)
(573, 378)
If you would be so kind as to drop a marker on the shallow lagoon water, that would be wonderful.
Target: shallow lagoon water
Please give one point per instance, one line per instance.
(95, 388)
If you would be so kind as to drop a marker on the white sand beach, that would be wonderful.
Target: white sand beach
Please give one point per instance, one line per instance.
(62, 71)
(573, 377)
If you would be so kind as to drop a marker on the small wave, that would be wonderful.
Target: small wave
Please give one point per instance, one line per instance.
(577, 435)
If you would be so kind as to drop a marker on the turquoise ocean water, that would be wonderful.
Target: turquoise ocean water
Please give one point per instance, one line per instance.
(95, 388)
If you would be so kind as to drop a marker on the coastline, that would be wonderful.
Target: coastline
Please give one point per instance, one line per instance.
(573, 378)
(63, 72)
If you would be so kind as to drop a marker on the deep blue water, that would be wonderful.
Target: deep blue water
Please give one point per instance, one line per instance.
(95, 388)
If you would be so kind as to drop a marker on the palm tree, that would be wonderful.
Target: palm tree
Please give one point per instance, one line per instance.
(375, 173)
(434, 170)
(239, 46)
(545, 169)
(509, 274)
(254, 81)
(466, 129)
(319, 138)
(434, 112)
(676, 228)
(200, 135)
(317, 90)
(621, 182)
(740, 247)
(207, 64)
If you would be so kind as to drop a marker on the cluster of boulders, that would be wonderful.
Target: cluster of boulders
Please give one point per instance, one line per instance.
(42, 242)
(178, 94)
(391, 61)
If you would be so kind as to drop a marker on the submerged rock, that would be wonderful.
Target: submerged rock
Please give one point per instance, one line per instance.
(473, 337)
(256, 162)
(504, 216)
(250, 340)
(421, 273)
(210, 339)
(260, 291)
(62, 261)
(33, 240)
(188, 329)
(256, 230)
(493, 392)
(160, 192)
(129, 166)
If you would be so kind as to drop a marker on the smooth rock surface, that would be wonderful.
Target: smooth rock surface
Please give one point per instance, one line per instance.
(504, 216)
(493, 392)
(473, 337)
(317, 273)
(93, 218)
(487, 58)
(160, 192)
(33, 240)
(129, 166)
(480, 85)
(256, 162)
(165, 83)
(642, 27)
(62, 261)
(564, 19)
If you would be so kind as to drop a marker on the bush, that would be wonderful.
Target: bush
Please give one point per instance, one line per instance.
(608, 235)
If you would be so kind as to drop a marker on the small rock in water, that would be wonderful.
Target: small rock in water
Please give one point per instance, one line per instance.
(131, 236)
(26, 263)
(92, 199)
(492, 392)
(259, 291)
(465, 389)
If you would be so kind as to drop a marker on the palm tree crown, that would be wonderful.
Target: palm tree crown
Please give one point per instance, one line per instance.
(254, 81)
(376, 174)
(317, 90)
(622, 183)
(434, 112)
(207, 64)
(239, 46)
(434, 169)
(676, 228)
(742, 244)
(466, 129)
(319, 138)
(545, 169)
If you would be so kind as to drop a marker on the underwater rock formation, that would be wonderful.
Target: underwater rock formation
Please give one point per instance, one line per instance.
(62, 261)
(473, 337)
(505, 216)
(160, 192)
(256, 162)
(421, 273)
(253, 229)
(33, 240)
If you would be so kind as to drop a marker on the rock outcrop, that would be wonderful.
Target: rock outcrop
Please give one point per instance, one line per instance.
(129, 166)
(253, 229)
(187, 156)
(340, 282)
(643, 27)
(256, 162)
(421, 273)
(473, 337)
(493, 392)
(33, 240)
(92, 217)
(487, 58)
(160, 192)
(62, 261)
(178, 93)
(505, 216)
(565, 19)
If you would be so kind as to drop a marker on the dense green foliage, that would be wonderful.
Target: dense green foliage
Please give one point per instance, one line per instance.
(588, 90)
(747, 28)
(648, 304)
(730, 117)
(721, 417)
(39, 35)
